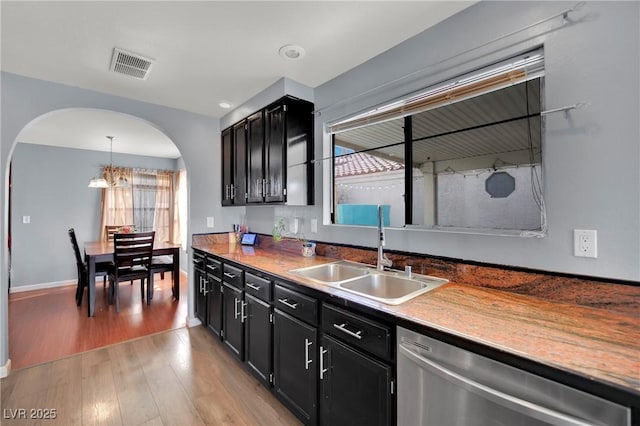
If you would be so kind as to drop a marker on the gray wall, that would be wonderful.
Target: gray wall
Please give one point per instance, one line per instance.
(50, 186)
(591, 173)
(196, 136)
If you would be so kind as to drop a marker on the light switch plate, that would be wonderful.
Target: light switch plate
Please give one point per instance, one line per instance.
(210, 222)
(26, 219)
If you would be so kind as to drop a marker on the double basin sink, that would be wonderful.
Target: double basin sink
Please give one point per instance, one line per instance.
(390, 287)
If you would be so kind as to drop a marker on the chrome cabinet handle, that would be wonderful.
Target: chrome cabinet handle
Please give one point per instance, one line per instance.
(322, 369)
(197, 261)
(233, 191)
(235, 308)
(285, 302)
(212, 267)
(228, 275)
(259, 187)
(307, 361)
(204, 287)
(226, 192)
(242, 315)
(252, 286)
(343, 327)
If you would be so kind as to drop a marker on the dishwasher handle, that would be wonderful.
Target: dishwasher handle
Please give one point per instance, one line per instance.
(494, 395)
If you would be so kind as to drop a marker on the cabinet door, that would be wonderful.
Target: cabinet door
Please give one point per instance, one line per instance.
(255, 169)
(355, 388)
(239, 192)
(232, 325)
(295, 368)
(201, 299)
(214, 305)
(227, 167)
(275, 152)
(258, 338)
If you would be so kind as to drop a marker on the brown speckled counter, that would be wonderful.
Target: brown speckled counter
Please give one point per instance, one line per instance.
(595, 344)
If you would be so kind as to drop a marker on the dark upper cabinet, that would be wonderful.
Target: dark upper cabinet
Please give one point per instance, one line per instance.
(275, 173)
(227, 167)
(277, 144)
(255, 169)
(239, 192)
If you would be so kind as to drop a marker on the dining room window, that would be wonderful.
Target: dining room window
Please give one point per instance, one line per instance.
(150, 203)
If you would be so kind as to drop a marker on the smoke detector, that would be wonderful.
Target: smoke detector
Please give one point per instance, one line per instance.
(130, 64)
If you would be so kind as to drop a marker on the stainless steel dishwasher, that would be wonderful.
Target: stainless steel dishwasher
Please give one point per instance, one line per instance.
(440, 385)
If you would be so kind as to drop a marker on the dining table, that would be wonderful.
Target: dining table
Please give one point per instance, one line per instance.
(103, 251)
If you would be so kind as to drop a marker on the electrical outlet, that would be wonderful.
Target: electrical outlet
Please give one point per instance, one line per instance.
(210, 222)
(314, 225)
(585, 243)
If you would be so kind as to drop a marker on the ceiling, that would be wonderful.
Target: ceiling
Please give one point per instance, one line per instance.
(204, 52)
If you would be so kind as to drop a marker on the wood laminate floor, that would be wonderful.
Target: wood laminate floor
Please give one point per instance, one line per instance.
(45, 325)
(177, 377)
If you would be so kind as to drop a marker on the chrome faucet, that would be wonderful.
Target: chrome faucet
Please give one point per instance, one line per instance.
(382, 258)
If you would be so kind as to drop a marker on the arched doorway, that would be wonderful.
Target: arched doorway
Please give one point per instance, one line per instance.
(55, 161)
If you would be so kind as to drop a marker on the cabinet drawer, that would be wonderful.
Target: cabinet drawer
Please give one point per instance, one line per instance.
(214, 267)
(198, 259)
(357, 331)
(232, 275)
(296, 304)
(257, 286)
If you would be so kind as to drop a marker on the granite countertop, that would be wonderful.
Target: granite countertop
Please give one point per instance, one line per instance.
(595, 344)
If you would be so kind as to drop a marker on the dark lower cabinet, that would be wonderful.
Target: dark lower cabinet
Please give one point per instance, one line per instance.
(258, 338)
(232, 319)
(214, 305)
(355, 389)
(199, 282)
(295, 365)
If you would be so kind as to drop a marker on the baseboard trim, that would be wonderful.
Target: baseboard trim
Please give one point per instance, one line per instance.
(42, 286)
(5, 369)
(193, 322)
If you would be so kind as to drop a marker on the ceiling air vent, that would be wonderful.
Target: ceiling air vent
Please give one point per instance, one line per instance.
(131, 64)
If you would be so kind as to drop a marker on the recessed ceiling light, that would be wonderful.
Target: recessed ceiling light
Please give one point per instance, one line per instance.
(225, 105)
(291, 52)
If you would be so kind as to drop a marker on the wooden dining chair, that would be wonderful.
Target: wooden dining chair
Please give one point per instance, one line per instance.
(132, 259)
(161, 264)
(103, 269)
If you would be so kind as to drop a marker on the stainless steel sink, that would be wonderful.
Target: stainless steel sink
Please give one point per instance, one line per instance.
(390, 287)
(332, 273)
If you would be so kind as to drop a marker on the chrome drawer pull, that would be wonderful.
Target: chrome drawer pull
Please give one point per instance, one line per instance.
(252, 286)
(285, 302)
(197, 261)
(343, 327)
(235, 308)
(204, 287)
(213, 268)
(307, 361)
(228, 275)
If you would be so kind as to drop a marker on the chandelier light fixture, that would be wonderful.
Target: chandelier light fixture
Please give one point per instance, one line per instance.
(101, 182)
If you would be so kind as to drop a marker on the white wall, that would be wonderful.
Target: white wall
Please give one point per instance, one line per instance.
(49, 184)
(196, 136)
(591, 158)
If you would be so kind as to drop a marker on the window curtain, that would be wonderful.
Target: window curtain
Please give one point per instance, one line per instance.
(117, 203)
(164, 221)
